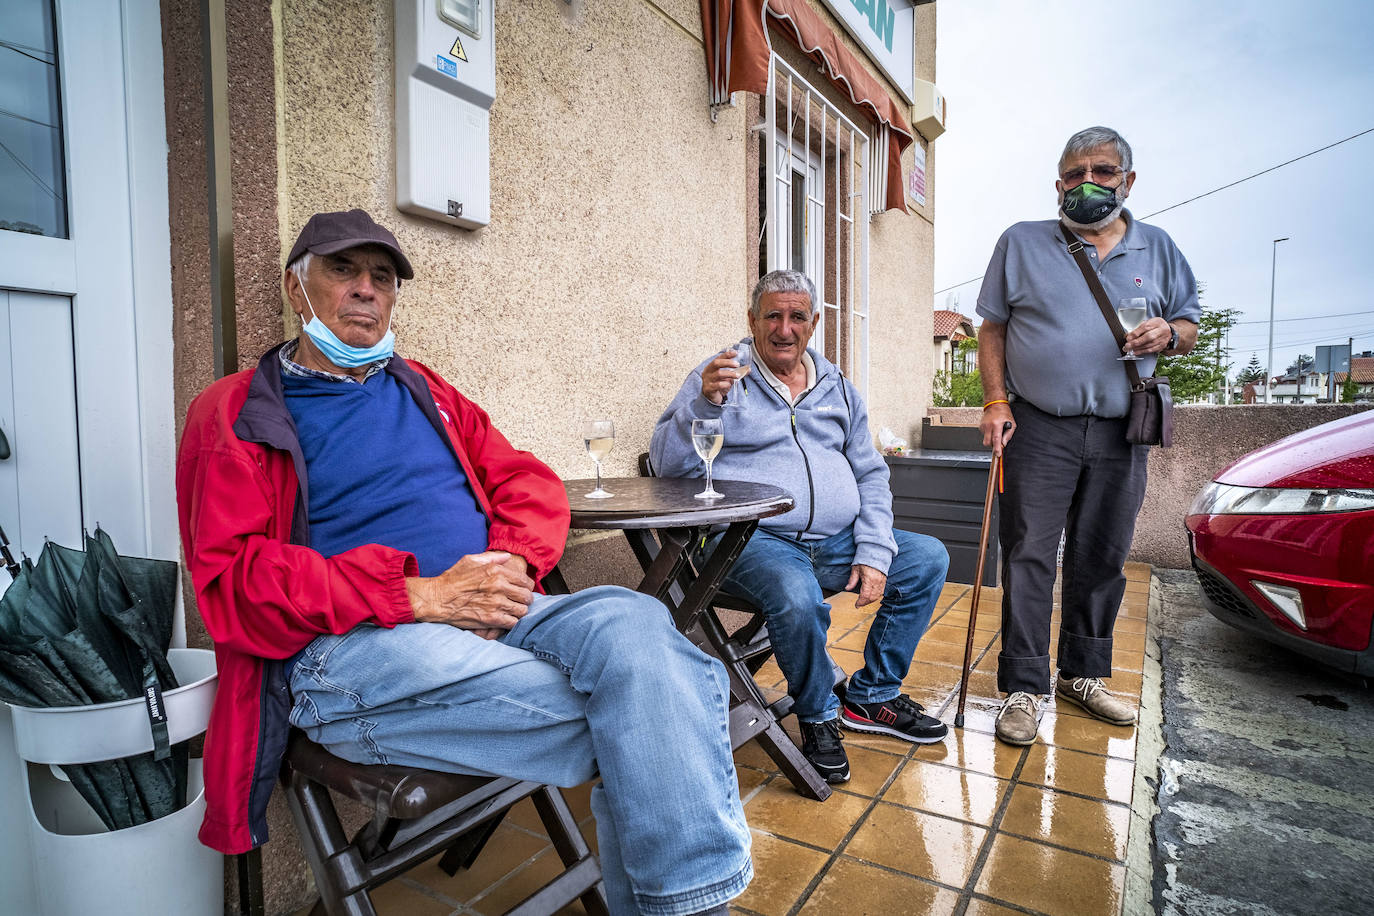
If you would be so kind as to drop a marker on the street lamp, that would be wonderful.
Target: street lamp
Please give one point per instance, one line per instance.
(1269, 376)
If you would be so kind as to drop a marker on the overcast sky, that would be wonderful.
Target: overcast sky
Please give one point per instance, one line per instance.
(1206, 93)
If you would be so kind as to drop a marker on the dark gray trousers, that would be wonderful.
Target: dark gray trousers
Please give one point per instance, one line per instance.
(1073, 474)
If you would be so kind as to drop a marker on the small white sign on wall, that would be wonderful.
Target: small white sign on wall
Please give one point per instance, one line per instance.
(916, 181)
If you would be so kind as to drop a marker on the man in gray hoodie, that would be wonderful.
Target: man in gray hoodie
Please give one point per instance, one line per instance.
(793, 420)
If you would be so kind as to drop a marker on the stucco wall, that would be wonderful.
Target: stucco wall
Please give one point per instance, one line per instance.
(617, 251)
(1206, 439)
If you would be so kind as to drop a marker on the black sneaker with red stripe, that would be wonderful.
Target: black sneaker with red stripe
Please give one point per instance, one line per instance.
(900, 717)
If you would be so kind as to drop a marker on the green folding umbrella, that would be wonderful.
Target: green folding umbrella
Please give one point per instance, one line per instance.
(89, 626)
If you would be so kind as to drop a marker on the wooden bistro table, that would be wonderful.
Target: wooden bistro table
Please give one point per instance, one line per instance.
(662, 519)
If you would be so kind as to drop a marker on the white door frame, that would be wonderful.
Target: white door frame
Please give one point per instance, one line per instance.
(115, 267)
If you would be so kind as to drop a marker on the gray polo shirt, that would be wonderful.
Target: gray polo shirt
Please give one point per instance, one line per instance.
(1060, 354)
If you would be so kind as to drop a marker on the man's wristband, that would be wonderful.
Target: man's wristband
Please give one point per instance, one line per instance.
(998, 401)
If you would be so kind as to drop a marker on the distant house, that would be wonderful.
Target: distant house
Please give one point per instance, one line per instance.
(1306, 387)
(1361, 370)
(950, 328)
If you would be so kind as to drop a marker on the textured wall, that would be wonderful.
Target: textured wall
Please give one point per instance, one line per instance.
(616, 255)
(1206, 439)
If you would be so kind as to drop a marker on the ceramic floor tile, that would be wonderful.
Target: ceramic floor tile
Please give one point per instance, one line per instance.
(520, 885)
(930, 676)
(989, 616)
(1132, 660)
(507, 850)
(853, 888)
(749, 779)
(977, 907)
(853, 640)
(1128, 642)
(970, 750)
(395, 898)
(1074, 771)
(980, 714)
(1095, 827)
(1083, 734)
(779, 810)
(941, 653)
(848, 660)
(752, 755)
(1052, 881)
(948, 633)
(869, 769)
(782, 870)
(919, 844)
(1136, 625)
(960, 794)
(769, 674)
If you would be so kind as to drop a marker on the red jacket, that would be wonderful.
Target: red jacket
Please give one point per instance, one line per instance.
(264, 594)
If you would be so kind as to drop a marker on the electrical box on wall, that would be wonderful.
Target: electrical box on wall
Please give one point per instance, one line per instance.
(927, 109)
(445, 84)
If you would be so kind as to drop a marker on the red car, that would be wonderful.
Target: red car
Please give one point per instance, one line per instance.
(1283, 543)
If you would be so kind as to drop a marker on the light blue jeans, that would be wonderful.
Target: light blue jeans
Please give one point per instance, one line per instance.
(784, 577)
(599, 681)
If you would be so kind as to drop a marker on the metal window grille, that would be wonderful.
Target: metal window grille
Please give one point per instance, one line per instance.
(817, 199)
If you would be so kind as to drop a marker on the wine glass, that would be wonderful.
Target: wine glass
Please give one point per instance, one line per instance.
(599, 436)
(742, 356)
(707, 438)
(1132, 313)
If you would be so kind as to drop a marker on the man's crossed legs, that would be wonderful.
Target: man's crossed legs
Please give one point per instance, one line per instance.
(599, 681)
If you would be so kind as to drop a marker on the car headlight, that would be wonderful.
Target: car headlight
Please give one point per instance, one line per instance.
(1227, 499)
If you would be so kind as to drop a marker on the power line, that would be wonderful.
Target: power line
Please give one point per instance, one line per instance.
(1308, 318)
(1209, 193)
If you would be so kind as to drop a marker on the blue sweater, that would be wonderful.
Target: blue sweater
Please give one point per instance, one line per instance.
(379, 473)
(820, 452)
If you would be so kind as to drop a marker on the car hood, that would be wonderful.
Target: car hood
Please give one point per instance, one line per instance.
(1335, 454)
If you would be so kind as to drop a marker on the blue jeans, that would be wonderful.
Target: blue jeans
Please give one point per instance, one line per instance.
(596, 681)
(784, 577)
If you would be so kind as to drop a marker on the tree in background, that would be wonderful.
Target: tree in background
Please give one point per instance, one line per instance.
(1204, 370)
(1349, 389)
(959, 387)
(1252, 373)
(1304, 363)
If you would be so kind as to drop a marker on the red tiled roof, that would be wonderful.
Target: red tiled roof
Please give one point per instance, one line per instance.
(1361, 368)
(947, 323)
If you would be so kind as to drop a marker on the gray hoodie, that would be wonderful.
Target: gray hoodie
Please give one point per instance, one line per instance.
(820, 451)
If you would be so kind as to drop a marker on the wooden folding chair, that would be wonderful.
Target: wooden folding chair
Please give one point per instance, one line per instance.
(744, 651)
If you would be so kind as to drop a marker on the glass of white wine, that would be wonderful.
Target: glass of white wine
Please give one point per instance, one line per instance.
(707, 438)
(1132, 313)
(738, 392)
(599, 436)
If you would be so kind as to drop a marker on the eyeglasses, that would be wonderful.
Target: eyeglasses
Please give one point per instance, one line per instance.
(1099, 173)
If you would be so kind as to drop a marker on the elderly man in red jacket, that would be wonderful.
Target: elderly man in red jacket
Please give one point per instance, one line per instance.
(366, 551)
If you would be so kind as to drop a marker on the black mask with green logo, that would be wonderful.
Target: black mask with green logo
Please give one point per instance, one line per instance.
(1090, 203)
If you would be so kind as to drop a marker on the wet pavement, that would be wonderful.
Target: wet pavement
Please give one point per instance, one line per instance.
(1266, 801)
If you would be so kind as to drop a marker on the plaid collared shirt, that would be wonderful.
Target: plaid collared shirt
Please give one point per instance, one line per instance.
(291, 367)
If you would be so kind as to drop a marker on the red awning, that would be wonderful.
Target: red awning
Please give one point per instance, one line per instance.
(738, 55)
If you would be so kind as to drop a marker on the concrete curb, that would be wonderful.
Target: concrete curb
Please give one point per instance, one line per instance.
(1138, 898)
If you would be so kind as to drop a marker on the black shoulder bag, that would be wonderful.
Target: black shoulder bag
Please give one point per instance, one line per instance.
(1151, 417)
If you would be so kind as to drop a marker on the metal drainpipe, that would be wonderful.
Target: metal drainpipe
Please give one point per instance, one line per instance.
(224, 328)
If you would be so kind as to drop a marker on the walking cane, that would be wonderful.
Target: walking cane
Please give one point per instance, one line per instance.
(978, 581)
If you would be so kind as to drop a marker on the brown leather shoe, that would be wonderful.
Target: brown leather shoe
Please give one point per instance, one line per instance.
(1019, 719)
(1089, 693)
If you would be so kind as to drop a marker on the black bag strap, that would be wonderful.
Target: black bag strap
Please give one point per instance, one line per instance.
(1103, 303)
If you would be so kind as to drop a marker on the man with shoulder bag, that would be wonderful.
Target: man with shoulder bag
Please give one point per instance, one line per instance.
(1075, 313)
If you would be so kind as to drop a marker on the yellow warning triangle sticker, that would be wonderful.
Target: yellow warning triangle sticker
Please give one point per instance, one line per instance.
(457, 49)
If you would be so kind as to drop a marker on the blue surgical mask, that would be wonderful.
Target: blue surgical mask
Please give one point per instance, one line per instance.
(340, 353)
